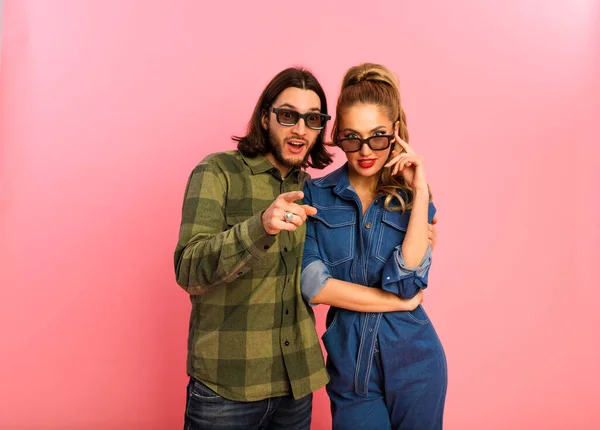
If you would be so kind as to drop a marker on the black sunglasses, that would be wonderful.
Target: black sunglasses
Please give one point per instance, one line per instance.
(289, 118)
(376, 143)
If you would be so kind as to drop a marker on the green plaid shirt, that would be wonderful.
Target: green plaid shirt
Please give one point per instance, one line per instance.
(251, 335)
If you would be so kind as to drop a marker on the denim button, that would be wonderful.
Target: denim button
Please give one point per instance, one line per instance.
(368, 225)
(370, 329)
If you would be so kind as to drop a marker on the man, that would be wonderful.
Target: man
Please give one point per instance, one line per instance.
(254, 357)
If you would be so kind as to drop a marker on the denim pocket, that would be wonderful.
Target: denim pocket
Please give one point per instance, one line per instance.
(201, 392)
(330, 326)
(391, 234)
(418, 315)
(335, 229)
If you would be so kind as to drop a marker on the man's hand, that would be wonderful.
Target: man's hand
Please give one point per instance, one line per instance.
(274, 218)
(432, 233)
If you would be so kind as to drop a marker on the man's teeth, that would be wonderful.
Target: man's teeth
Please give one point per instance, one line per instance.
(296, 144)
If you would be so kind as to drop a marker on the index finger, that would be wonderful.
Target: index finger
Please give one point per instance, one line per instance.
(403, 144)
(309, 210)
(292, 196)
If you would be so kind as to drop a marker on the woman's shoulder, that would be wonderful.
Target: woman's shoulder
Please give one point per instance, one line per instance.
(329, 180)
(325, 184)
(323, 190)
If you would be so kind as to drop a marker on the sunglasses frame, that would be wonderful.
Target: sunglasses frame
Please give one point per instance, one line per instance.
(301, 116)
(390, 138)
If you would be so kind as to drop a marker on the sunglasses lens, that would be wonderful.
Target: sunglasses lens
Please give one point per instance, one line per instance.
(314, 121)
(350, 145)
(378, 143)
(287, 117)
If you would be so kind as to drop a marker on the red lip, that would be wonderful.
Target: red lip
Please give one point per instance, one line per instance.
(367, 163)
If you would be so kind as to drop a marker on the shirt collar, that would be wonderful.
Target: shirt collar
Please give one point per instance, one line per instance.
(259, 164)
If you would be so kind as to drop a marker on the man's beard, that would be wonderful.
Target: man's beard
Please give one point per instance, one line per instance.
(276, 148)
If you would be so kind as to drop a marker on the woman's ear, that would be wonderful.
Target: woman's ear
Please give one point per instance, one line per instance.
(397, 127)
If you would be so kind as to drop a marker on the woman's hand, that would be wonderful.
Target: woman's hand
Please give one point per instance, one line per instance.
(411, 304)
(409, 164)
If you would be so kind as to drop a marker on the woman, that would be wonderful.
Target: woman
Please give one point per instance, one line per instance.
(388, 370)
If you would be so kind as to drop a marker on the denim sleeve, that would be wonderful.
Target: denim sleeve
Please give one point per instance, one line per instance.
(402, 280)
(313, 279)
(315, 273)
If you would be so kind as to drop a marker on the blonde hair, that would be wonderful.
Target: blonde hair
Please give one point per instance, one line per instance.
(374, 84)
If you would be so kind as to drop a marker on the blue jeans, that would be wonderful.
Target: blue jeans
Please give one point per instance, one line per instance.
(205, 409)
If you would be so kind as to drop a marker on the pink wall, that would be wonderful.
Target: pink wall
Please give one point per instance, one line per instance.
(106, 106)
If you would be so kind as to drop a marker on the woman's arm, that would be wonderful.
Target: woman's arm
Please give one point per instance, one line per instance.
(411, 166)
(416, 240)
(354, 297)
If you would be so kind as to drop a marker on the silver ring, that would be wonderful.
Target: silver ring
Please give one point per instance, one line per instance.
(288, 216)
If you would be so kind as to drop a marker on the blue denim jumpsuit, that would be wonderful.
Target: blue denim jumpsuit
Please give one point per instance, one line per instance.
(388, 370)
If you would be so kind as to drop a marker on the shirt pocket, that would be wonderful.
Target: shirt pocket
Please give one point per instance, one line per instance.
(391, 234)
(335, 233)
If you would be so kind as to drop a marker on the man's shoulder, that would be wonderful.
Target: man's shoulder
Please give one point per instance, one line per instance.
(224, 161)
(222, 157)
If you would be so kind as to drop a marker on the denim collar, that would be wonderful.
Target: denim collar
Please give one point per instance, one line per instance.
(339, 181)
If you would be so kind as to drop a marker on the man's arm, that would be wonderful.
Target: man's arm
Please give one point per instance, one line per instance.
(209, 252)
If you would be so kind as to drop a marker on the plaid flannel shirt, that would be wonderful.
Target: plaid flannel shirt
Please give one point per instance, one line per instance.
(251, 335)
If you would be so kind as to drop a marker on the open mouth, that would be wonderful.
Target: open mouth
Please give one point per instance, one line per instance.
(296, 146)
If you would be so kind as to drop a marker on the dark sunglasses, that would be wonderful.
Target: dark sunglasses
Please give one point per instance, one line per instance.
(376, 143)
(289, 117)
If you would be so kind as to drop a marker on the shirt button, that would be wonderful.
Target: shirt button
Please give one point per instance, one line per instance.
(287, 343)
(285, 249)
(370, 329)
(368, 225)
(287, 311)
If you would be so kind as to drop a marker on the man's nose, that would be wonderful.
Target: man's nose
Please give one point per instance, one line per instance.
(300, 127)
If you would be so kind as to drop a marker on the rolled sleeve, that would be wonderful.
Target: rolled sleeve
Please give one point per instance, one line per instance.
(405, 281)
(313, 279)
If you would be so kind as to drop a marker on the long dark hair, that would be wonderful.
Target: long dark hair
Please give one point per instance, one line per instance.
(257, 141)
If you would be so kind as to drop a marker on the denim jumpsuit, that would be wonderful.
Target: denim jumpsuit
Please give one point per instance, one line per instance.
(388, 370)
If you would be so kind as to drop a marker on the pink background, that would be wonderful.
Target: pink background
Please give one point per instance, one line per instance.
(106, 106)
